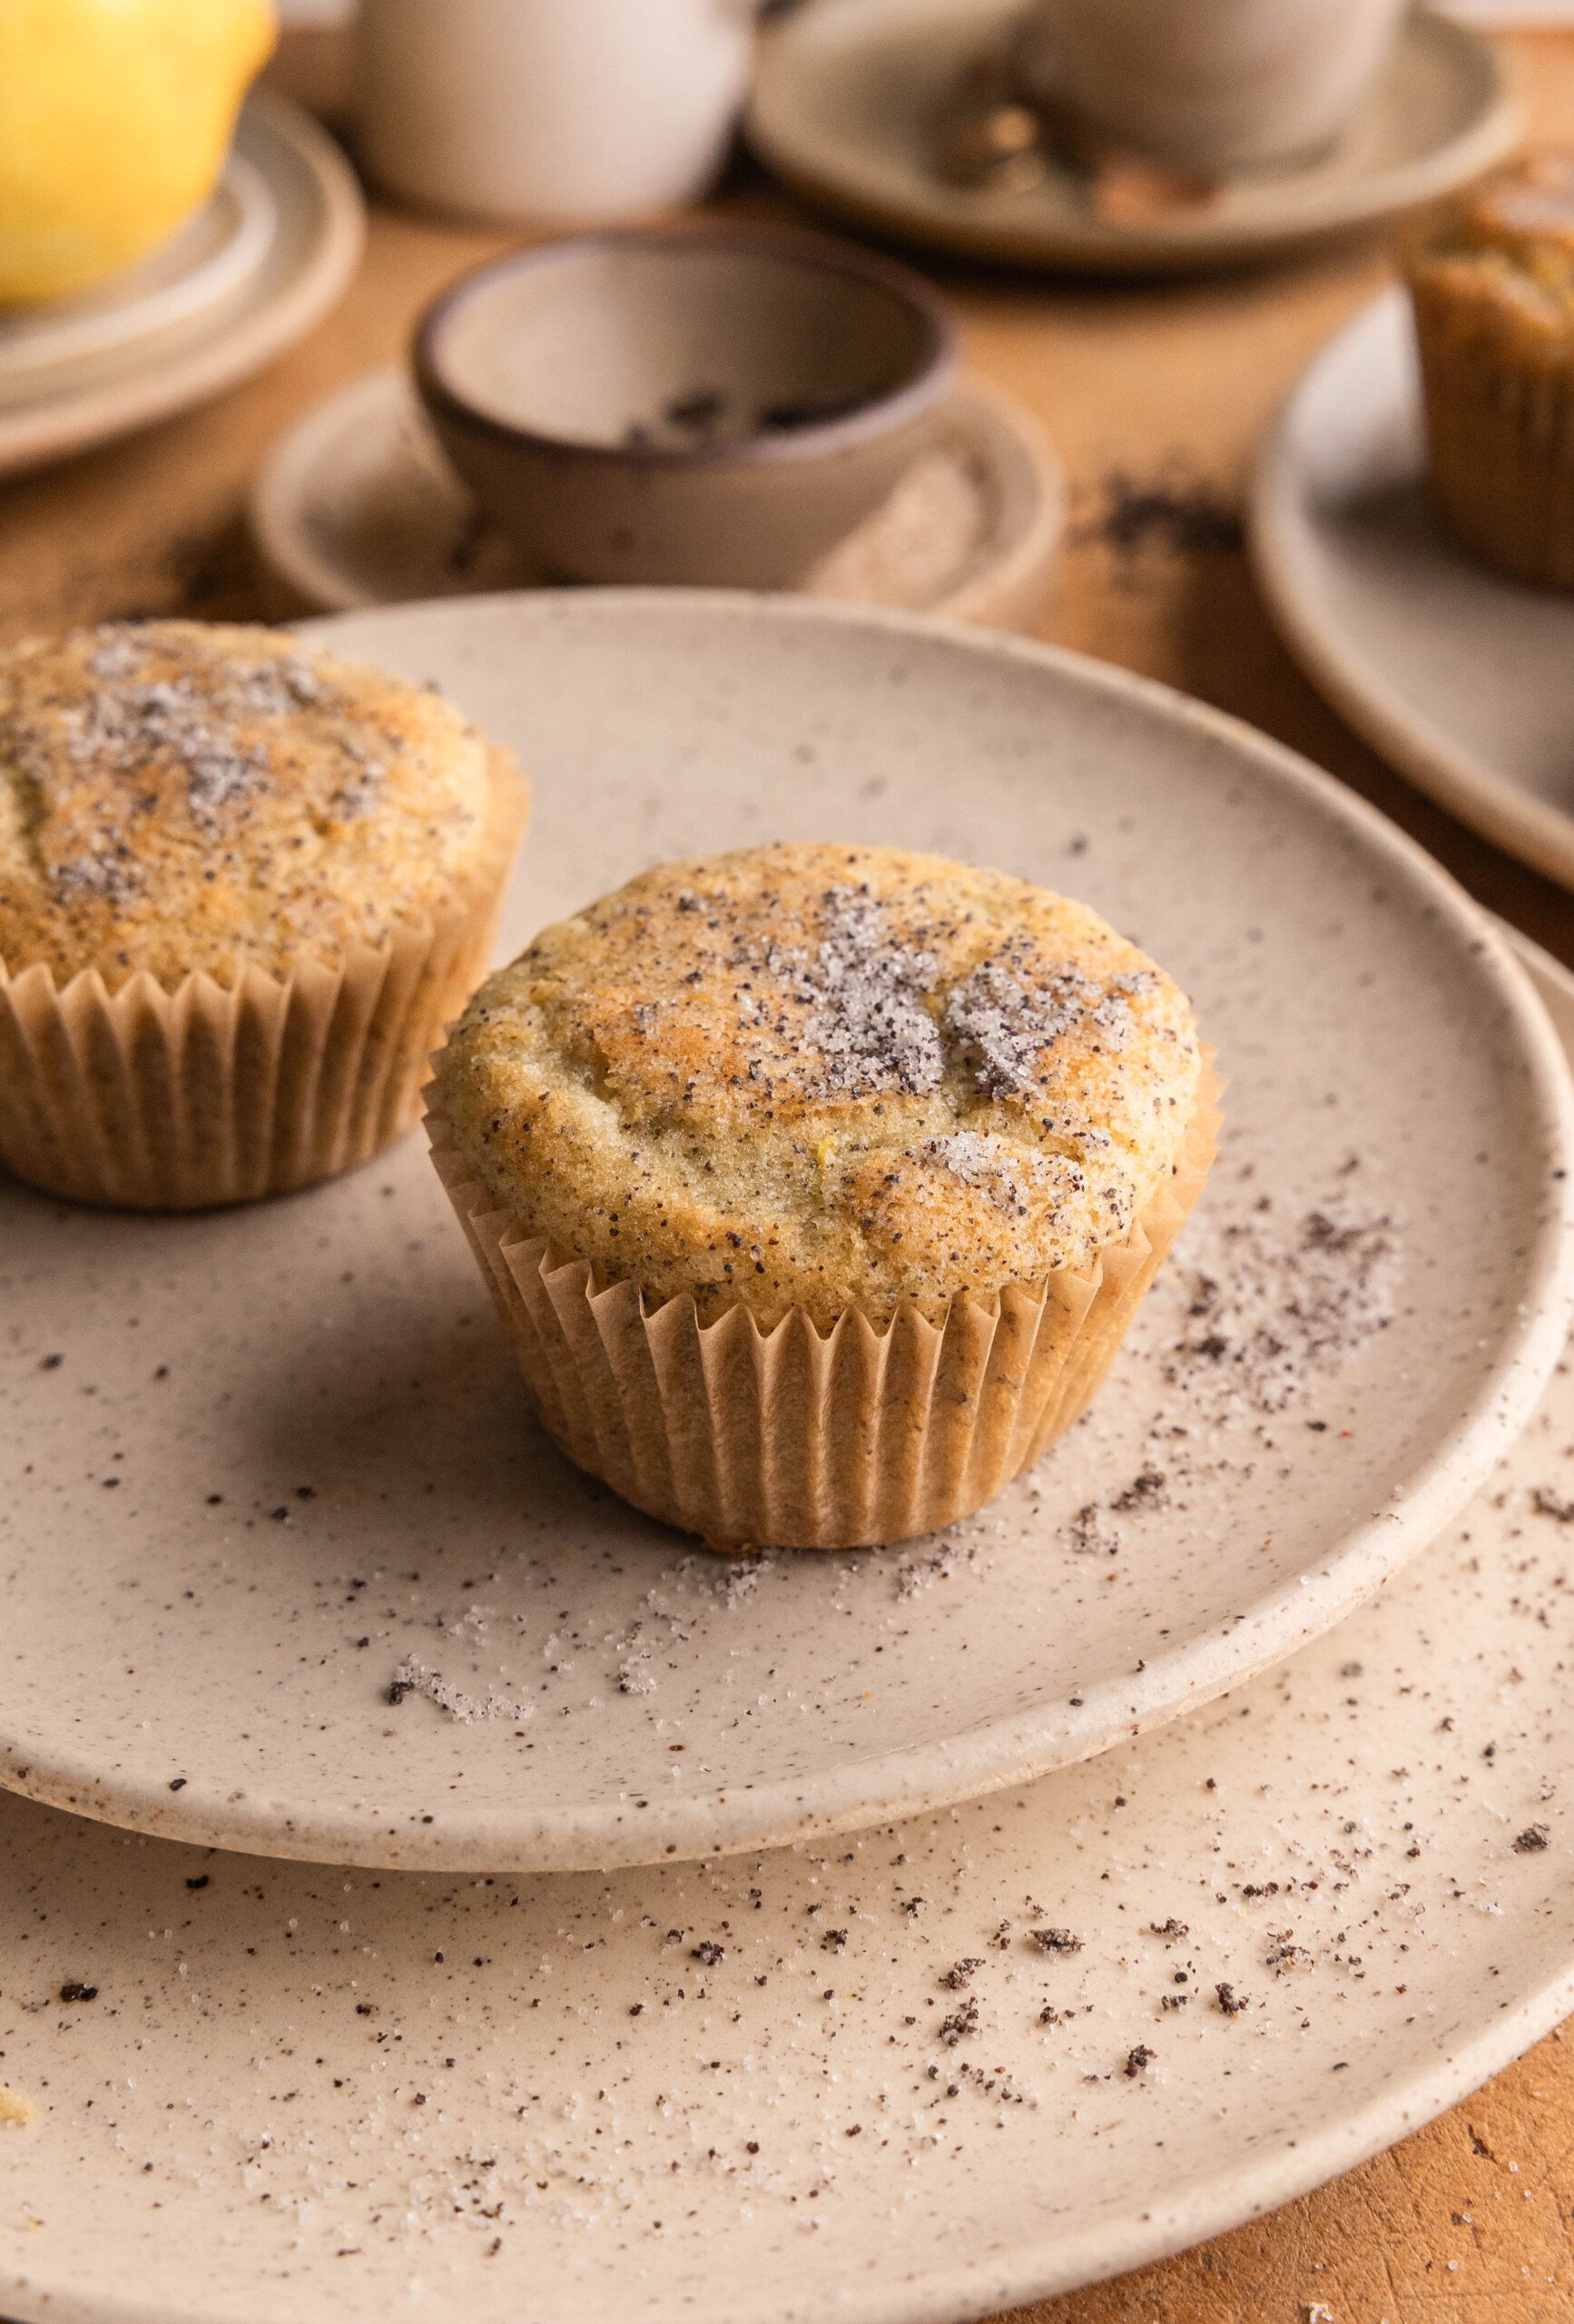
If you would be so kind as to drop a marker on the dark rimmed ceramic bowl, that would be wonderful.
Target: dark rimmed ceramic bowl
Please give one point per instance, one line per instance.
(718, 405)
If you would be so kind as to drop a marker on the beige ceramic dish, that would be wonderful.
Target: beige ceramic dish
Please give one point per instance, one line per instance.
(315, 248)
(330, 1370)
(1463, 678)
(848, 93)
(357, 505)
(717, 405)
(633, 2100)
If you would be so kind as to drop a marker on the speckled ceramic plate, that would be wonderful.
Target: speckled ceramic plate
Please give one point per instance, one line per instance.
(258, 1466)
(840, 2082)
(849, 95)
(356, 506)
(1461, 677)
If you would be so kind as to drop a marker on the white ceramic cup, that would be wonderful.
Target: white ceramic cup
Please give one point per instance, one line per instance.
(551, 112)
(1211, 86)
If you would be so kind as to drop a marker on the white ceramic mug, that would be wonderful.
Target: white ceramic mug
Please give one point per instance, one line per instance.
(1211, 86)
(555, 111)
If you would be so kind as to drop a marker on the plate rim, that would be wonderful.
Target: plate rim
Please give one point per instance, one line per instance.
(1100, 249)
(1278, 529)
(995, 1755)
(164, 381)
(956, 2295)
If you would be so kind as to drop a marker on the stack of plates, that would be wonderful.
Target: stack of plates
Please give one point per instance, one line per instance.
(631, 1998)
(258, 266)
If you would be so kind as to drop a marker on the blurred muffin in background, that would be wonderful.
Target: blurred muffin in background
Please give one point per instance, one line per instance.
(1492, 284)
(243, 887)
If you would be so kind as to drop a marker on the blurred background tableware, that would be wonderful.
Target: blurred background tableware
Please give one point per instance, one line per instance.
(204, 261)
(1237, 84)
(556, 114)
(716, 405)
(275, 249)
(1460, 678)
(914, 118)
(115, 118)
(356, 505)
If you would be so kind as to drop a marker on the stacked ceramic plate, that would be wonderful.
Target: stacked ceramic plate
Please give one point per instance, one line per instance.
(492, 1903)
(265, 258)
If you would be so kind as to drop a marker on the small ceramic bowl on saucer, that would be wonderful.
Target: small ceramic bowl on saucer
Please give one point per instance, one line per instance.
(718, 405)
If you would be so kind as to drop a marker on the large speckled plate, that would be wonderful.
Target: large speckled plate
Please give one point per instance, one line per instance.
(732, 2095)
(257, 1466)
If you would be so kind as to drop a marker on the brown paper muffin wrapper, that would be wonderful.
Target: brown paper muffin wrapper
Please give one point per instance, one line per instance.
(793, 1438)
(157, 1100)
(1499, 420)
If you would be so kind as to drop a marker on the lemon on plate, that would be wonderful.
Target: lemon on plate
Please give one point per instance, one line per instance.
(115, 116)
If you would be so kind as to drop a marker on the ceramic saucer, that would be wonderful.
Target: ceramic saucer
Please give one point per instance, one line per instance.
(357, 505)
(1463, 678)
(932, 2073)
(208, 259)
(260, 1469)
(848, 93)
(118, 380)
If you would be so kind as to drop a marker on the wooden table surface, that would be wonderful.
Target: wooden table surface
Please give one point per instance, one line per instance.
(1156, 397)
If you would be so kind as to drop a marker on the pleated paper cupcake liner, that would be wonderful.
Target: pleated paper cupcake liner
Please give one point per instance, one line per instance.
(151, 1100)
(795, 1438)
(1500, 446)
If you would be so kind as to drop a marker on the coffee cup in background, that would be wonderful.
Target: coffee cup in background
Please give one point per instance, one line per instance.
(1209, 86)
(550, 111)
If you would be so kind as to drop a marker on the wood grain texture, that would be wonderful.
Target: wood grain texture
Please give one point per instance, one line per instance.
(1157, 397)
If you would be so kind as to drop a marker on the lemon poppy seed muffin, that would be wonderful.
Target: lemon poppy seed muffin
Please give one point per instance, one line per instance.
(175, 797)
(820, 1077)
(1493, 290)
(244, 886)
(886, 1147)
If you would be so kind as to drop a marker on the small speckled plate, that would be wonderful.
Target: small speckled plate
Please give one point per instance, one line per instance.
(1463, 678)
(844, 2081)
(258, 1466)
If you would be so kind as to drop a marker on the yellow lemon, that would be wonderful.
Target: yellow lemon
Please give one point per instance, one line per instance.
(115, 116)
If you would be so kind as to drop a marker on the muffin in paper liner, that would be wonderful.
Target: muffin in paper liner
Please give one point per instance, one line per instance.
(1500, 444)
(788, 1438)
(215, 1093)
(1492, 285)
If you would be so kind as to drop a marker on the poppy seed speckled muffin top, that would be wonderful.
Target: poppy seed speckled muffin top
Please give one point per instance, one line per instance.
(822, 1076)
(177, 797)
(1492, 285)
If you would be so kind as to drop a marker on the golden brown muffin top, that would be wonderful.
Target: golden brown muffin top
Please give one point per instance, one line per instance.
(816, 1076)
(175, 796)
(1504, 252)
